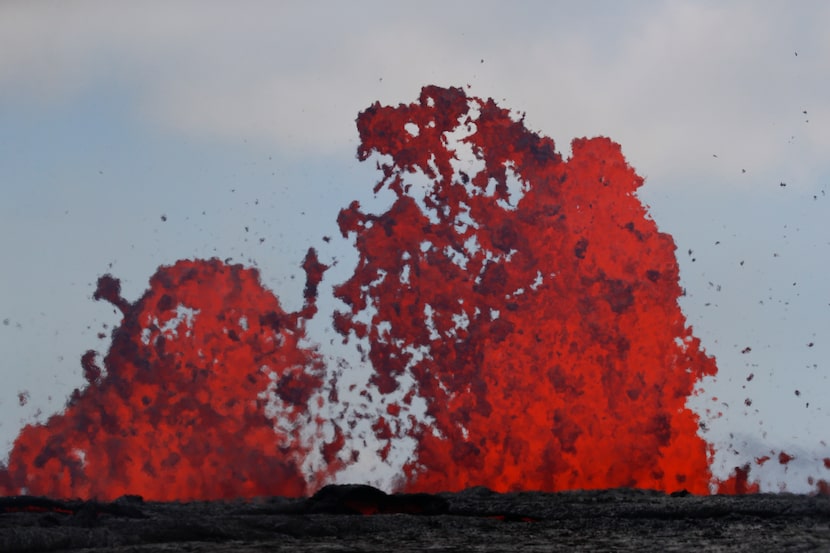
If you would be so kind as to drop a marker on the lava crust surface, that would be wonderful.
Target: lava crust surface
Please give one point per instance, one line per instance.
(475, 519)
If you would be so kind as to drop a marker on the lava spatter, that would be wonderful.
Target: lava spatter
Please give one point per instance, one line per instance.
(204, 394)
(531, 299)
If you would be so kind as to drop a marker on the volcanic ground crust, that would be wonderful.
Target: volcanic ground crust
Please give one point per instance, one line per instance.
(476, 519)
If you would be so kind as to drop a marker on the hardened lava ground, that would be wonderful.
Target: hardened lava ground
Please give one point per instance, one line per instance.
(476, 519)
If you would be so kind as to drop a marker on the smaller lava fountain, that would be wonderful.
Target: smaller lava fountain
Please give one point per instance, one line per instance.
(204, 394)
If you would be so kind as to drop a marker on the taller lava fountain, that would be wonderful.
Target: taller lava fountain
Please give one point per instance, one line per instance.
(531, 299)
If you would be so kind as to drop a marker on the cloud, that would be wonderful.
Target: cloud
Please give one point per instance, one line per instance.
(674, 82)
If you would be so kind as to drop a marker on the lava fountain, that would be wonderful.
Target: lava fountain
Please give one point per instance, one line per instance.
(530, 298)
(203, 395)
(528, 301)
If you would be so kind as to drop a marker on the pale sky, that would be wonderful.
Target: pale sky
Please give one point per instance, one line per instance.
(235, 121)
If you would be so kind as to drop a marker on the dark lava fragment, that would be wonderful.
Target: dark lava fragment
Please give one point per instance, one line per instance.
(367, 500)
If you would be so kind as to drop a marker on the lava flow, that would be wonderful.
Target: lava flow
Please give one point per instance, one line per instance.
(531, 299)
(203, 395)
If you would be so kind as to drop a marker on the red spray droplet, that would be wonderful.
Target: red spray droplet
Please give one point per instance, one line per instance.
(785, 458)
(739, 483)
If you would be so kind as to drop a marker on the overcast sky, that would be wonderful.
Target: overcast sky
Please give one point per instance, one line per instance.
(235, 121)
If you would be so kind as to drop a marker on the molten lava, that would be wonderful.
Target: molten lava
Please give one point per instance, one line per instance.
(531, 299)
(202, 396)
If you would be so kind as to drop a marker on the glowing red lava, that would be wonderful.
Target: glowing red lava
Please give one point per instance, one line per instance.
(532, 300)
(201, 396)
